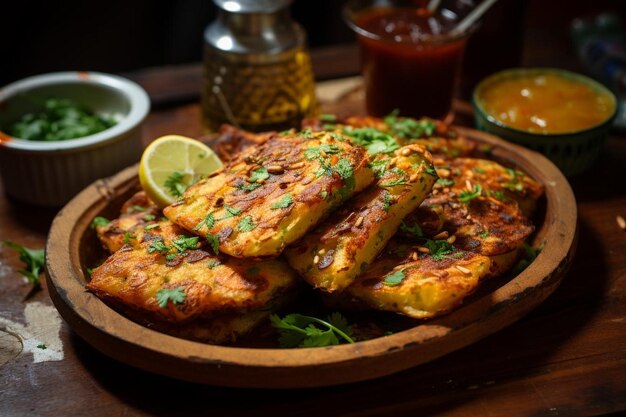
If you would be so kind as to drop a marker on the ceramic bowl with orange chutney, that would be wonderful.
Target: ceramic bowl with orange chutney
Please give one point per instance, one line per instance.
(564, 115)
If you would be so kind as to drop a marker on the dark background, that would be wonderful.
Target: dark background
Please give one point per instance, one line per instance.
(122, 36)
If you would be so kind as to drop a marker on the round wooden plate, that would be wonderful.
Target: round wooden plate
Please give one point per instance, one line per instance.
(68, 250)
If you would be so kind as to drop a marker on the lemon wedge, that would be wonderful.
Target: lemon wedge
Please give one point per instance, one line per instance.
(172, 163)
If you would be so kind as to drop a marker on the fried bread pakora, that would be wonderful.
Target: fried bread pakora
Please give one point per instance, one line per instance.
(417, 284)
(170, 277)
(498, 181)
(136, 213)
(337, 251)
(272, 196)
(476, 212)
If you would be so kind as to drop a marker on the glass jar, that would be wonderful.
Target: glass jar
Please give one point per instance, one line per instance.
(257, 71)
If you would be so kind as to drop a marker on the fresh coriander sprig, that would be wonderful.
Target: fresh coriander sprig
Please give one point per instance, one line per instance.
(297, 330)
(176, 296)
(34, 260)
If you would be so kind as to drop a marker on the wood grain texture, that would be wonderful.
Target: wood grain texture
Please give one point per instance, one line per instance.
(122, 339)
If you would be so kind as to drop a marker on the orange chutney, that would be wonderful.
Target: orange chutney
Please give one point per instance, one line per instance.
(546, 103)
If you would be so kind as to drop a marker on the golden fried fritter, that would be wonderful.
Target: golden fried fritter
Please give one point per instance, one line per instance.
(338, 250)
(231, 142)
(136, 213)
(496, 180)
(168, 276)
(259, 204)
(419, 285)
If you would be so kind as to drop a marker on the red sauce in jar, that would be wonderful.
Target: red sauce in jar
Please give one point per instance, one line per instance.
(408, 62)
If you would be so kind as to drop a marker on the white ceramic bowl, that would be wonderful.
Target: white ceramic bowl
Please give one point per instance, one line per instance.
(51, 173)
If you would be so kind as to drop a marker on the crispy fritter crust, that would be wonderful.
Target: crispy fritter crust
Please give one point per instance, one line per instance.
(338, 250)
(136, 213)
(133, 275)
(423, 286)
(305, 176)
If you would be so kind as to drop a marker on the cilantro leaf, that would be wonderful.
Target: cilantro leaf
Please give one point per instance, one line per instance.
(439, 249)
(531, 254)
(248, 187)
(182, 243)
(415, 230)
(407, 128)
(246, 224)
(208, 222)
(157, 245)
(33, 259)
(284, 202)
(401, 178)
(374, 140)
(343, 168)
(394, 279)
(431, 171)
(328, 118)
(176, 296)
(467, 196)
(316, 151)
(213, 263)
(445, 182)
(259, 174)
(99, 221)
(175, 184)
(149, 217)
(379, 166)
(231, 212)
(214, 242)
(297, 330)
(387, 202)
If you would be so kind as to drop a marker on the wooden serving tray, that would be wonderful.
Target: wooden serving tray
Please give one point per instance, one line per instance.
(69, 250)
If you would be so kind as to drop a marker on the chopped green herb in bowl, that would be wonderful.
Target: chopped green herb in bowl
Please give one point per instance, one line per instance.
(61, 119)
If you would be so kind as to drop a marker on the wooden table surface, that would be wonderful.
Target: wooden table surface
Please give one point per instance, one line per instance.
(568, 357)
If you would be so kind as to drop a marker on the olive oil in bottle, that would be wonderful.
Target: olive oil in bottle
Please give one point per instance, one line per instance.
(257, 71)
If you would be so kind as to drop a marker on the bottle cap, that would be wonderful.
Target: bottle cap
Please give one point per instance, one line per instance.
(252, 6)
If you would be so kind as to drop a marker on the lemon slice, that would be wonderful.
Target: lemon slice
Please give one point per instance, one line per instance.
(172, 163)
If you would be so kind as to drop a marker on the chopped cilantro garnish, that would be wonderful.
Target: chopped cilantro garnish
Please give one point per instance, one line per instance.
(246, 224)
(316, 151)
(183, 243)
(467, 196)
(343, 168)
(408, 128)
(394, 279)
(208, 222)
(284, 202)
(136, 208)
(374, 140)
(306, 134)
(386, 201)
(149, 217)
(213, 263)
(231, 212)
(445, 182)
(33, 259)
(214, 242)
(415, 230)
(439, 249)
(128, 237)
(478, 170)
(379, 166)
(99, 221)
(402, 178)
(176, 296)
(484, 234)
(430, 170)
(297, 330)
(259, 174)
(157, 245)
(328, 118)
(248, 187)
(531, 254)
(151, 226)
(175, 184)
